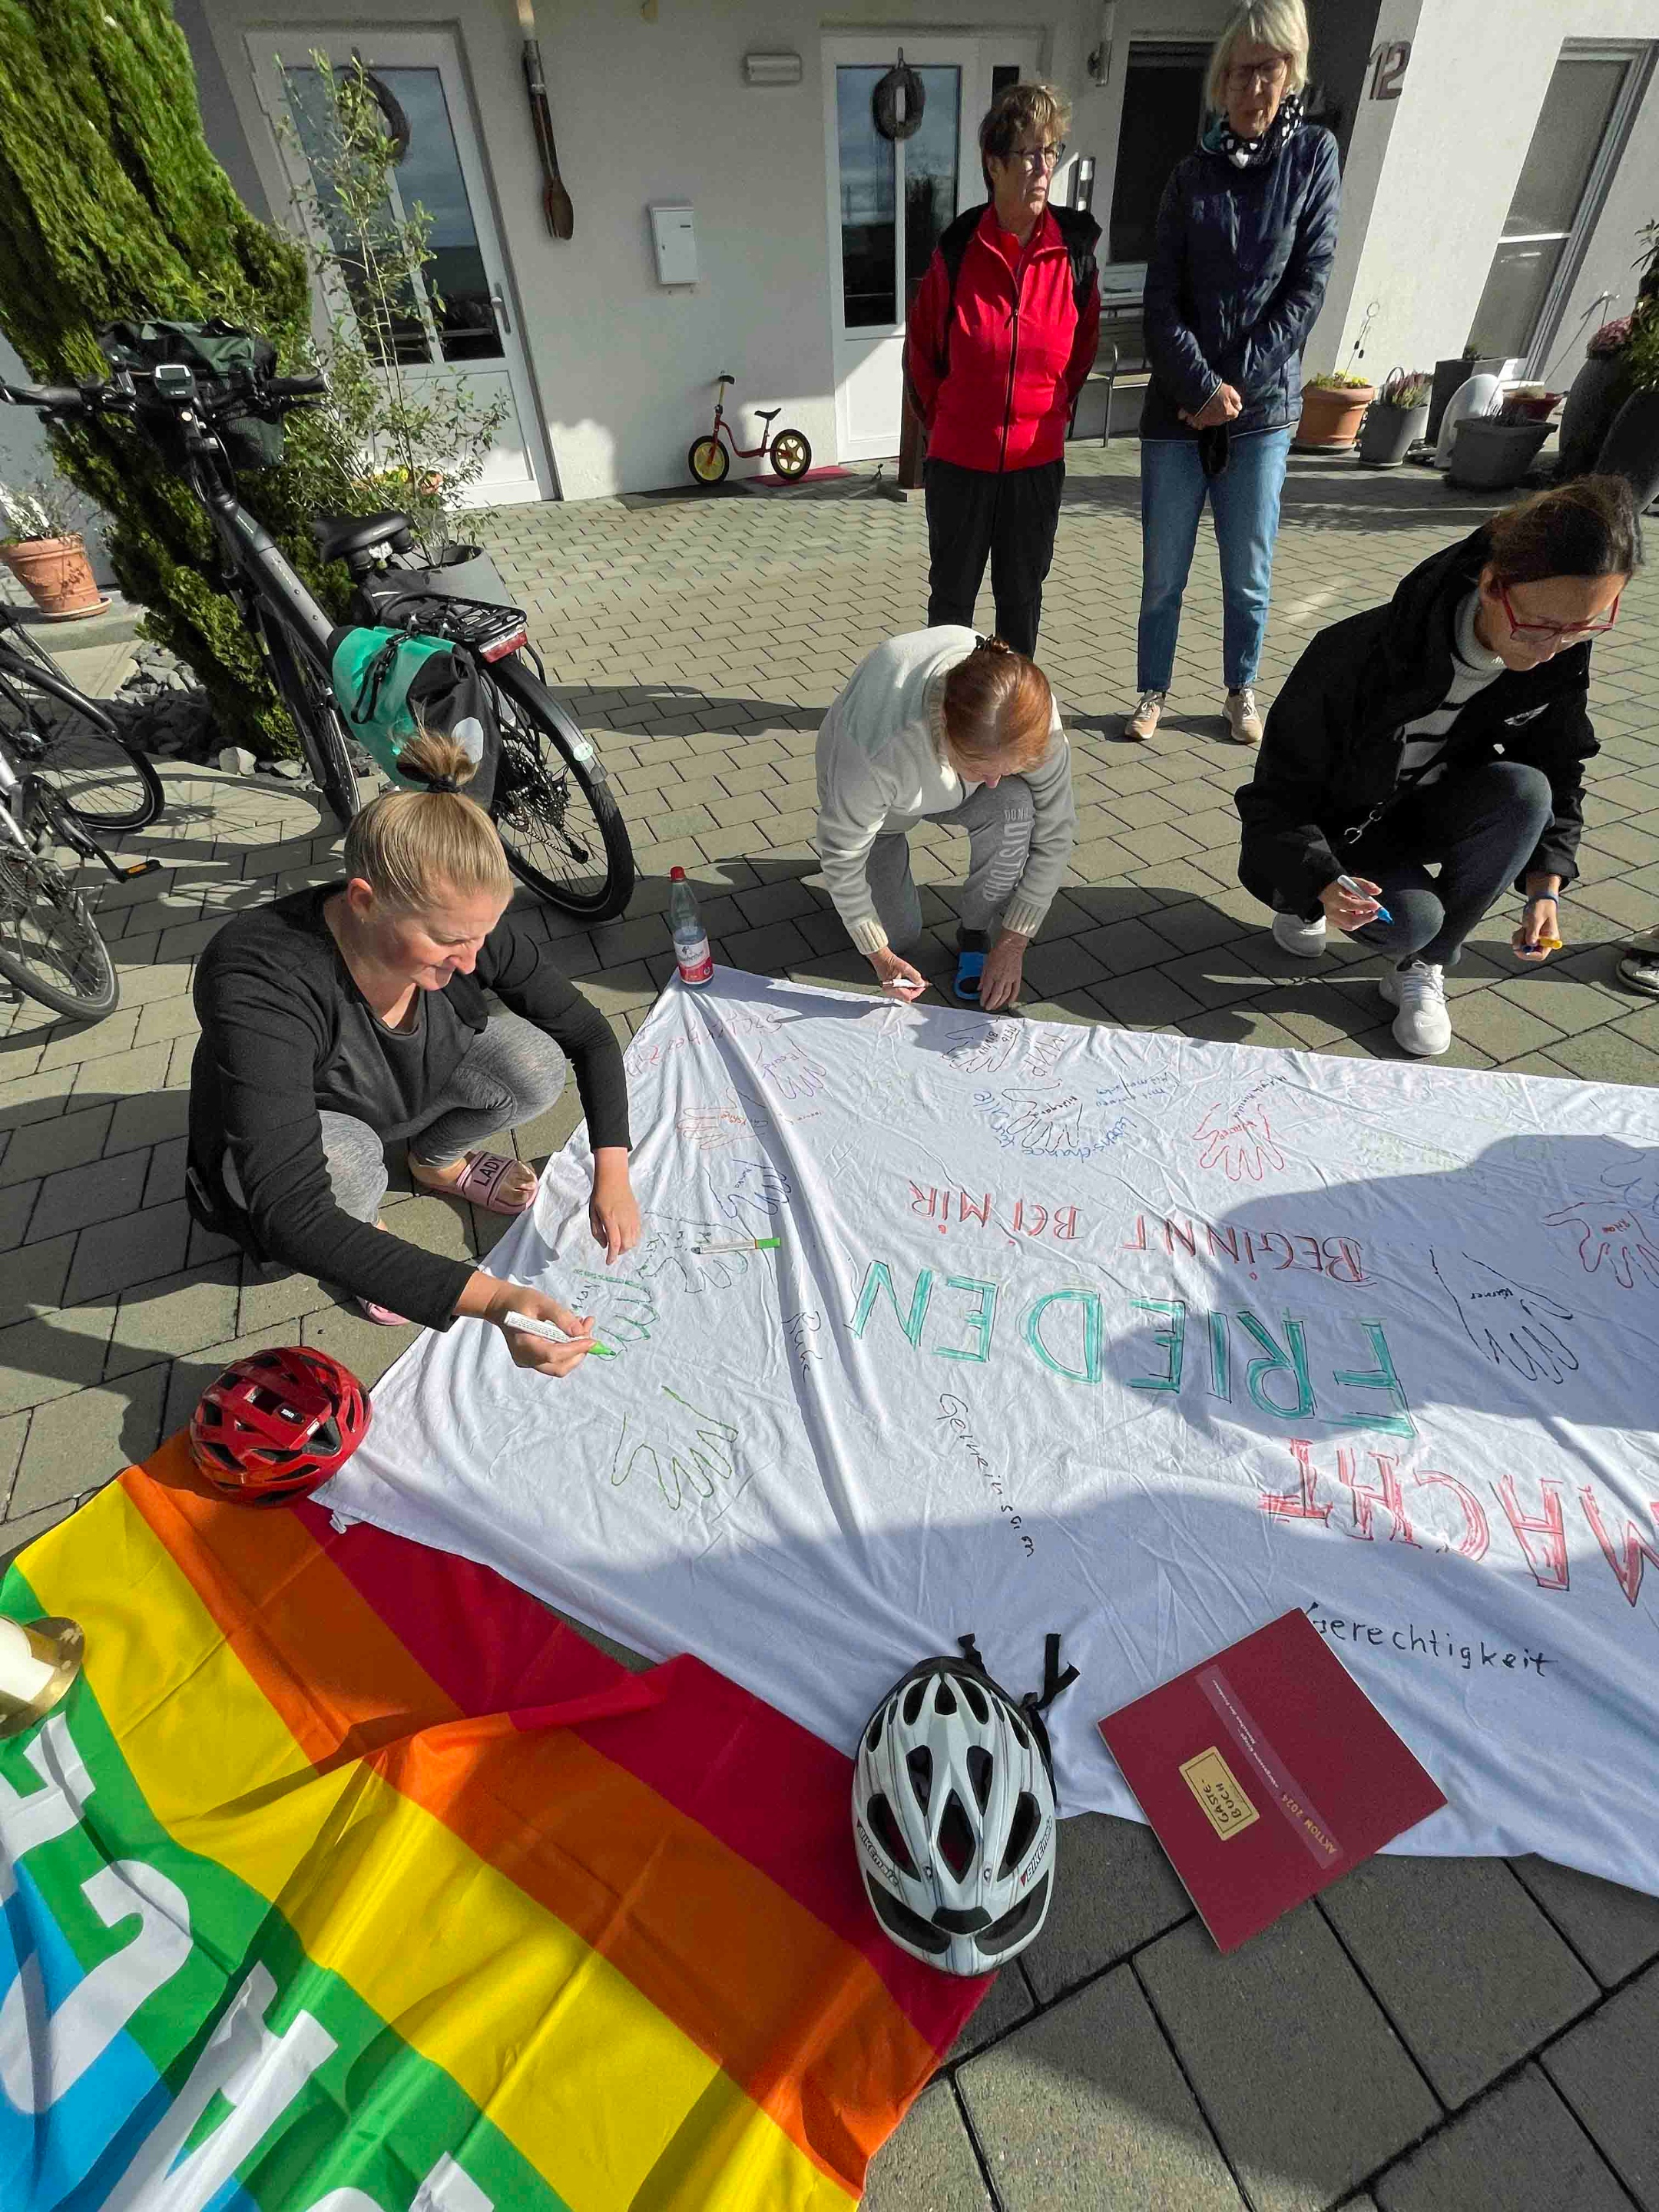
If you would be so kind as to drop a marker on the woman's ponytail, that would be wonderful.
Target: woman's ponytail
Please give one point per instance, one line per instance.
(1587, 527)
(414, 847)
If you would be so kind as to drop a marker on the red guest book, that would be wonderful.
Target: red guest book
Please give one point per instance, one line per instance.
(1266, 1772)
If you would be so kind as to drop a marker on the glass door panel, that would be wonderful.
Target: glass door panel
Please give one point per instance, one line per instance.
(928, 159)
(869, 203)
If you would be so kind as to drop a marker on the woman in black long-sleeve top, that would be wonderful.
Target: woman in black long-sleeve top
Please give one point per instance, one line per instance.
(347, 1017)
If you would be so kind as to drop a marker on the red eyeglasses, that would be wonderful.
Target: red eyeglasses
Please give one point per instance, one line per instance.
(1546, 633)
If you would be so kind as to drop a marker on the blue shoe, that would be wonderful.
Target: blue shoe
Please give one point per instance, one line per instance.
(969, 968)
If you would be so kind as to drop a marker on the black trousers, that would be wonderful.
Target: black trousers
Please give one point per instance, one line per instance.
(1010, 517)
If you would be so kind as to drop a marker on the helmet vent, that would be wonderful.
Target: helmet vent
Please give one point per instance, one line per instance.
(978, 1703)
(944, 1698)
(1018, 1923)
(889, 1836)
(980, 1768)
(1018, 1727)
(955, 1836)
(913, 1698)
(1021, 1830)
(905, 1926)
(872, 1734)
(921, 1765)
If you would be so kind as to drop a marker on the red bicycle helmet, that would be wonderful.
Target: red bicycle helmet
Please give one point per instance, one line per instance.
(275, 1426)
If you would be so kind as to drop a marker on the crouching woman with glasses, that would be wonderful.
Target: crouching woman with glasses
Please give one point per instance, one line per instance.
(1422, 755)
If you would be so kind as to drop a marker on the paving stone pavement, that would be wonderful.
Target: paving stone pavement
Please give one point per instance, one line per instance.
(1429, 2037)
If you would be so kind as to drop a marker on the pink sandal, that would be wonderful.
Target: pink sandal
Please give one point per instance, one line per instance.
(382, 1317)
(480, 1180)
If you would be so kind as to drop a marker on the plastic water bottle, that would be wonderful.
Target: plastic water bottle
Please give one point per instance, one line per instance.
(691, 939)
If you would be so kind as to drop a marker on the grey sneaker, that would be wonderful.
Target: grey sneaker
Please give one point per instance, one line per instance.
(1638, 964)
(1143, 721)
(1244, 721)
(1422, 1026)
(1302, 940)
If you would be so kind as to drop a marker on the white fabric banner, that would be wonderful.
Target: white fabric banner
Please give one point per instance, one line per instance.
(1139, 1338)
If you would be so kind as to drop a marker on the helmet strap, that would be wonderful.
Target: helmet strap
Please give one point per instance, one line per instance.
(1038, 1701)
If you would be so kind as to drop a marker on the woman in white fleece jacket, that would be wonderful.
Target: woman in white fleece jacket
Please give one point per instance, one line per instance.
(945, 726)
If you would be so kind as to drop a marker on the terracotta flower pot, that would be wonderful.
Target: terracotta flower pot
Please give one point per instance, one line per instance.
(1331, 417)
(55, 573)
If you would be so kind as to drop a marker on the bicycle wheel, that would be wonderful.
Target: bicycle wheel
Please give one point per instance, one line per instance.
(49, 942)
(100, 779)
(791, 456)
(708, 461)
(552, 804)
(311, 705)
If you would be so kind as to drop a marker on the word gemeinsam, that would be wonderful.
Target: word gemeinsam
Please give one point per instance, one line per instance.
(1066, 1330)
(1337, 1257)
(1029, 1219)
(1445, 1514)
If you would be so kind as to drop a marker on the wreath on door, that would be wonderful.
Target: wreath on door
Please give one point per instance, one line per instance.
(898, 99)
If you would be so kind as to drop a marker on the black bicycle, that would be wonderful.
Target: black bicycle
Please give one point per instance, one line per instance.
(104, 782)
(551, 801)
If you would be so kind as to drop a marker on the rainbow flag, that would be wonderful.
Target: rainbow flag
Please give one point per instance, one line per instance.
(347, 1878)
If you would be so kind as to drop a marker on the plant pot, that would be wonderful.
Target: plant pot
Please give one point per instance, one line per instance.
(1491, 456)
(1331, 419)
(1388, 431)
(57, 574)
(1597, 394)
(1631, 448)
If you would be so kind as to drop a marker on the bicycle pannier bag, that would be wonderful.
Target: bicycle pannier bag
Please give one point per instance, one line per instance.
(392, 686)
(220, 353)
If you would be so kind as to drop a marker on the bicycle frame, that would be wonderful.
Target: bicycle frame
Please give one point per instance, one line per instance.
(723, 429)
(267, 581)
(24, 795)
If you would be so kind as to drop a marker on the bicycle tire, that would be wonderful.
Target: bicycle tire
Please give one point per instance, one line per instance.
(314, 715)
(80, 977)
(714, 454)
(101, 780)
(548, 845)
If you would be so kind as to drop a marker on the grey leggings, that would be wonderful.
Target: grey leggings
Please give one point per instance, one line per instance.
(998, 819)
(512, 1074)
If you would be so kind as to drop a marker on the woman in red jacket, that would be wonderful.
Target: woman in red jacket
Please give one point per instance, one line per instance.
(1001, 334)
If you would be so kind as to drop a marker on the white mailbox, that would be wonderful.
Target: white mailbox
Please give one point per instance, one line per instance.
(675, 238)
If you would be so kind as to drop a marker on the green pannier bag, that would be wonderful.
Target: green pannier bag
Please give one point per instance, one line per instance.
(221, 355)
(392, 686)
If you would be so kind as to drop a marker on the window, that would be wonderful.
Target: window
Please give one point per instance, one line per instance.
(874, 171)
(1577, 134)
(1163, 106)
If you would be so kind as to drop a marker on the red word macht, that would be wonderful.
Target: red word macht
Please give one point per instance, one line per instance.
(1028, 1218)
(1339, 1257)
(1433, 1511)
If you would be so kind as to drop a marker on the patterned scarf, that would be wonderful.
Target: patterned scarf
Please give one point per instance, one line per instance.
(1254, 153)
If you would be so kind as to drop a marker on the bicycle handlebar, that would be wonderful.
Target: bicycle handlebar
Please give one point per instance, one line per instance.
(117, 394)
(57, 397)
(296, 387)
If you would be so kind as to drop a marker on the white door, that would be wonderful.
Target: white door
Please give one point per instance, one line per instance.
(464, 327)
(876, 258)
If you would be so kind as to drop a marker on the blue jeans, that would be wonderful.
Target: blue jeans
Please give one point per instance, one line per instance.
(1244, 500)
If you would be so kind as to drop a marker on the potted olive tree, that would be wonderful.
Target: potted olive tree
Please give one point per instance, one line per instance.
(1395, 418)
(1333, 407)
(44, 551)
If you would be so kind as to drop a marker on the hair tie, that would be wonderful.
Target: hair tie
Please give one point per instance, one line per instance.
(443, 783)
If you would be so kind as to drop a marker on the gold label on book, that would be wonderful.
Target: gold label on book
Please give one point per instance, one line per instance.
(1212, 1781)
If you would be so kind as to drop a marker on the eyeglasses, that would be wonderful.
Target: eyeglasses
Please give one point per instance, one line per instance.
(1266, 74)
(1040, 157)
(1546, 633)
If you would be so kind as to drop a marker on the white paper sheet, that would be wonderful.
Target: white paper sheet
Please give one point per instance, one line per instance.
(1134, 1338)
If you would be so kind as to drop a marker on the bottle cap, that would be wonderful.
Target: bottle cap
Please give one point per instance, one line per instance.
(677, 875)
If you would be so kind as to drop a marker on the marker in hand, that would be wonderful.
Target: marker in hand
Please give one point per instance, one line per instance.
(1354, 890)
(530, 1327)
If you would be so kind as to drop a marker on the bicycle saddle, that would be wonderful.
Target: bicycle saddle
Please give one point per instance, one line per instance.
(338, 536)
(767, 413)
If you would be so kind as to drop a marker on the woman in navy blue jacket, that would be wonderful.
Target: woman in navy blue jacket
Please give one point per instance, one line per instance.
(1246, 232)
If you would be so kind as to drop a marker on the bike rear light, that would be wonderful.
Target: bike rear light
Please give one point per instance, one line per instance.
(499, 648)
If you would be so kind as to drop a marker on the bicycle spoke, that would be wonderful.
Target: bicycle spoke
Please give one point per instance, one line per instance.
(46, 929)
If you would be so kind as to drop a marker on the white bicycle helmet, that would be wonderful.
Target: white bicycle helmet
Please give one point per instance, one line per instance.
(953, 1812)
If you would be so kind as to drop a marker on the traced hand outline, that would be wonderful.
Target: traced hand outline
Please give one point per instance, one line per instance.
(669, 1253)
(689, 1454)
(761, 1190)
(624, 1310)
(986, 1048)
(710, 1128)
(1039, 1123)
(1245, 1148)
(1613, 1233)
(1505, 1321)
(795, 1075)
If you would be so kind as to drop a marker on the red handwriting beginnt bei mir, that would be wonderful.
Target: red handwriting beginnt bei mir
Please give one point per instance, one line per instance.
(1433, 1511)
(1337, 1257)
(952, 1207)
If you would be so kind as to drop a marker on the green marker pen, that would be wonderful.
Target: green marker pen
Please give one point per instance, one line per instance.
(545, 1328)
(744, 1244)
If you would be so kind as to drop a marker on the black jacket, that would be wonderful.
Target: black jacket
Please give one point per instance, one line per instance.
(268, 992)
(1237, 277)
(1330, 754)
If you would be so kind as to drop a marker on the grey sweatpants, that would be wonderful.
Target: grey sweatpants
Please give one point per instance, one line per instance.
(998, 818)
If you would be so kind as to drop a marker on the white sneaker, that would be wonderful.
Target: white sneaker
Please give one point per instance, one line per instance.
(1244, 719)
(1143, 721)
(1422, 1026)
(1302, 940)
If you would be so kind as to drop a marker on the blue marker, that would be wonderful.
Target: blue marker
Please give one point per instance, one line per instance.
(1347, 883)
